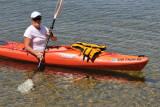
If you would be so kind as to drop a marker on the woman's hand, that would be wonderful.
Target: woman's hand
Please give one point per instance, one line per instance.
(52, 36)
(48, 33)
(39, 55)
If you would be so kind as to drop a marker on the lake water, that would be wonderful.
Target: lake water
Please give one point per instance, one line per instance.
(125, 27)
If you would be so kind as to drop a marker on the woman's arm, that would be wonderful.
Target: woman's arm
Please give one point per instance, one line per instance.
(27, 42)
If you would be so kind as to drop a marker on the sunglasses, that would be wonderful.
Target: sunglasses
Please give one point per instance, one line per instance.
(37, 19)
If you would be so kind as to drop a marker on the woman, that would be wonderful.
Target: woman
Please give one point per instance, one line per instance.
(35, 36)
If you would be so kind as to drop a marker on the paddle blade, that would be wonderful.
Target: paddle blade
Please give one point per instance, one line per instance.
(26, 86)
(58, 9)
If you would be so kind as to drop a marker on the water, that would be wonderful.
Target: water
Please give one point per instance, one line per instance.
(124, 26)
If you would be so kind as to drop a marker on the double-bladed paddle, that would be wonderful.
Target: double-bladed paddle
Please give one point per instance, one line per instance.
(58, 10)
(28, 84)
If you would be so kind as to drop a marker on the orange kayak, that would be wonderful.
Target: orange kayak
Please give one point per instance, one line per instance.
(66, 56)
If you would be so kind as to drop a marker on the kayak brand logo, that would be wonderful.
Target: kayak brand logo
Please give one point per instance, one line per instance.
(129, 59)
(114, 59)
(68, 56)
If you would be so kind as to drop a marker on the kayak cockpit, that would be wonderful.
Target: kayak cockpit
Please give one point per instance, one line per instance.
(57, 48)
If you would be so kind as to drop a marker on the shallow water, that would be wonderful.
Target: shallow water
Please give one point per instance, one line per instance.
(125, 27)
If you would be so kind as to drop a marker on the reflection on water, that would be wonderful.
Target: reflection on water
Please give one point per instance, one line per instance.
(62, 86)
(65, 77)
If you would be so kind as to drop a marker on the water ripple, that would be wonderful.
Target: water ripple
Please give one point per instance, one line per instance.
(125, 27)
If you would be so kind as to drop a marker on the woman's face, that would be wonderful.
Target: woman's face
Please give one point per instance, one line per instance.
(36, 22)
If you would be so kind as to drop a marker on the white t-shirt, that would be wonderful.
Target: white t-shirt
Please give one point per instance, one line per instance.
(38, 37)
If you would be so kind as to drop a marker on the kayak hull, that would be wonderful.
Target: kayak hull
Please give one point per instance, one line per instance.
(73, 58)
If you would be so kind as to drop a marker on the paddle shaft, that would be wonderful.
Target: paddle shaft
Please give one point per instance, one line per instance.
(58, 10)
(51, 28)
